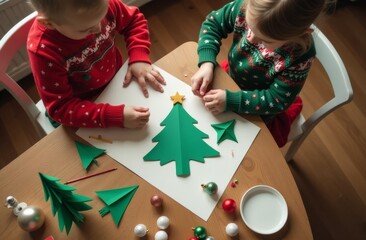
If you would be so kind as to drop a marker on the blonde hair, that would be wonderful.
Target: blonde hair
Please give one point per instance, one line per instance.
(286, 19)
(56, 10)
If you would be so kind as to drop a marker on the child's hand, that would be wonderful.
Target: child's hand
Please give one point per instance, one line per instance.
(202, 78)
(215, 101)
(144, 72)
(135, 117)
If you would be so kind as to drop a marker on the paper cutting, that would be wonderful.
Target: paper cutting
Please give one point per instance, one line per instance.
(116, 201)
(65, 203)
(100, 138)
(225, 131)
(131, 145)
(180, 140)
(88, 153)
(177, 98)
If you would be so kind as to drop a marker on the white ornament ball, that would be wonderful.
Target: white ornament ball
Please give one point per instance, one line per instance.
(163, 222)
(161, 235)
(210, 238)
(31, 218)
(140, 230)
(232, 229)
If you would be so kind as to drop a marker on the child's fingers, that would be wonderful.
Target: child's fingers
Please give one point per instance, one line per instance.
(158, 76)
(196, 86)
(195, 89)
(203, 87)
(142, 113)
(143, 118)
(136, 117)
(213, 107)
(142, 84)
(154, 82)
(209, 97)
(210, 105)
(142, 110)
(127, 79)
(157, 86)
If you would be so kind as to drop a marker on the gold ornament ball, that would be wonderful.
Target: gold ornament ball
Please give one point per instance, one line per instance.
(31, 218)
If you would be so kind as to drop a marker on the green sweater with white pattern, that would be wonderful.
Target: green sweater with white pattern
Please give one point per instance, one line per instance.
(270, 80)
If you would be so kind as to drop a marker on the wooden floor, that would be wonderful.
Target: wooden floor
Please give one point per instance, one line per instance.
(330, 167)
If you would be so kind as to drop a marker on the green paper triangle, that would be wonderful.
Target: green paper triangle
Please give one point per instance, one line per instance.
(61, 220)
(117, 201)
(225, 131)
(88, 153)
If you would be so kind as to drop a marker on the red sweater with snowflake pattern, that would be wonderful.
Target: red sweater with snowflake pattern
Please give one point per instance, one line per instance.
(69, 73)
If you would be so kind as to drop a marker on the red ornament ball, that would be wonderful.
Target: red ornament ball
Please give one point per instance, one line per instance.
(229, 205)
(156, 201)
(193, 238)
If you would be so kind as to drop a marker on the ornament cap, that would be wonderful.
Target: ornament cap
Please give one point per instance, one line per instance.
(12, 202)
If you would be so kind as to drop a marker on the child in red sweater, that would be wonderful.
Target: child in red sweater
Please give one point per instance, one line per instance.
(73, 56)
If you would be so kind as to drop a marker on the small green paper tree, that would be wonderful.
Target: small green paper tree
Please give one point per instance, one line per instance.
(116, 201)
(225, 131)
(180, 140)
(88, 153)
(65, 203)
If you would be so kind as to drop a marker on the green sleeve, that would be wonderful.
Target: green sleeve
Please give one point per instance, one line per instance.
(218, 25)
(278, 96)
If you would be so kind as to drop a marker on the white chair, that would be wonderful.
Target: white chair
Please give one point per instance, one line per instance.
(13, 40)
(343, 93)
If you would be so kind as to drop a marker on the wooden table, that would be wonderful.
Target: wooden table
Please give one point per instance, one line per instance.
(56, 155)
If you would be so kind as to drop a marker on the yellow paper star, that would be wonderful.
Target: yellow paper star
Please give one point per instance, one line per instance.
(177, 98)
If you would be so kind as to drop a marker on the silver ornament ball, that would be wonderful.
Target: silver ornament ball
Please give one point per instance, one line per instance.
(31, 218)
(163, 222)
(232, 229)
(161, 235)
(140, 230)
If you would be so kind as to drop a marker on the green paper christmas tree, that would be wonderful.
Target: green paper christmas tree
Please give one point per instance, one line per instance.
(65, 203)
(180, 140)
(88, 153)
(116, 201)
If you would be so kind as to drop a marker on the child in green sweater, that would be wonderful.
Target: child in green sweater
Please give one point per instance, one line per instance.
(269, 59)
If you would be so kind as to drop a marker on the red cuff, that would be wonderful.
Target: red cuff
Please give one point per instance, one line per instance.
(139, 55)
(113, 116)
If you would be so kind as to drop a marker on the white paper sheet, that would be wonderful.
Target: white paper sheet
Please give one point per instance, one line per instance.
(130, 146)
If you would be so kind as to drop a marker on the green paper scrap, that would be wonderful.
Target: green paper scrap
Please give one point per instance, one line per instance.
(116, 201)
(66, 204)
(180, 141)
(225, 131)
(88, 153)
